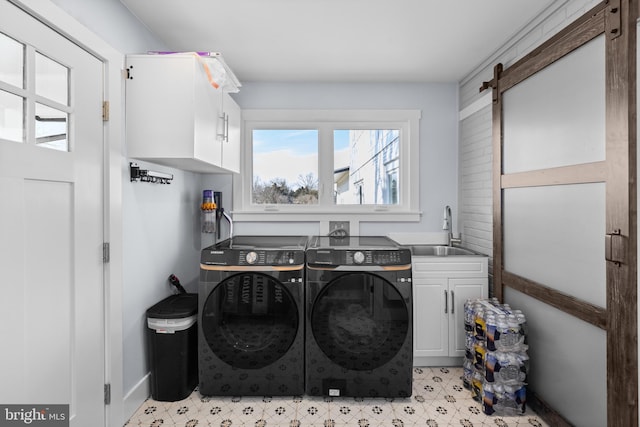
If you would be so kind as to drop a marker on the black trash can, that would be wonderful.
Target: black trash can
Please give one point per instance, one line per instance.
(173, 345)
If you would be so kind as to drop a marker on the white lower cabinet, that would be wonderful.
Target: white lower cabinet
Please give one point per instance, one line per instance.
(441, 285)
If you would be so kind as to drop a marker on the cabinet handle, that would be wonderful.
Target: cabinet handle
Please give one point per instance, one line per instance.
(446, 301)
(226, 127)
(453, 303)
(222, 134)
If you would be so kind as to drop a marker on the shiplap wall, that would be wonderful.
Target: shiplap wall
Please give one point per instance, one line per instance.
(475, 149)
(475, 183)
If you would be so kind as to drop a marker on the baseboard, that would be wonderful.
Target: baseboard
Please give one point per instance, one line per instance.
(136, 397)
(437, 361)
(544, 411)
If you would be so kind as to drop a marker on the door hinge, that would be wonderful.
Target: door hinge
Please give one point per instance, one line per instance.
(105, 111)
(106, 252)
(107, 394)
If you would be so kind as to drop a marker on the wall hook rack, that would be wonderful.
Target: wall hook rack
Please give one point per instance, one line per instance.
(144, 175)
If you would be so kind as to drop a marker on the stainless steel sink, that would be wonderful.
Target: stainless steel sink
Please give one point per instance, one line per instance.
(433, 250)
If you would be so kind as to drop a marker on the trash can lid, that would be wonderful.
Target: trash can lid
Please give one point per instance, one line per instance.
(175, 307)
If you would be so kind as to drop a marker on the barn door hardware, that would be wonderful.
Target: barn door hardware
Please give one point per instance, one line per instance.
(612, 20)
(615, 249)
(493, 83)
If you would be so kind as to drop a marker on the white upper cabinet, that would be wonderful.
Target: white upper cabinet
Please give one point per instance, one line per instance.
(176, 117)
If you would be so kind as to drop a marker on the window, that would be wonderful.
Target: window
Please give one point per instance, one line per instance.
(363, 159)
(285, 166)
(34, 97)
(12, 78)
(328, 162)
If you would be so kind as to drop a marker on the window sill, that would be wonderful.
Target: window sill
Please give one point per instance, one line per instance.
(361, 216)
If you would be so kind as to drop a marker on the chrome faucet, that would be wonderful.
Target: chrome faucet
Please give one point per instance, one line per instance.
(447, 224)
(230, 221)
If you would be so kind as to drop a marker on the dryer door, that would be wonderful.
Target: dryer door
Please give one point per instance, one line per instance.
(250, 320)
(360, 321)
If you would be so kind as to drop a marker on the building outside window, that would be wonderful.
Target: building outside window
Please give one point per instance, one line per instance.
(372, 156)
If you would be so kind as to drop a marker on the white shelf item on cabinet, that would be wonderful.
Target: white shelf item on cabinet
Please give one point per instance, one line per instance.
(441, 285)
(176, 117)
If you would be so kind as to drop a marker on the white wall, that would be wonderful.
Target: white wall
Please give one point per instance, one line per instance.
(161, 237)
(113, 22)
(438, 137)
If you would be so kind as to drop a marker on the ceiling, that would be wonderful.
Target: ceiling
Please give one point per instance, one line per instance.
(340, 40)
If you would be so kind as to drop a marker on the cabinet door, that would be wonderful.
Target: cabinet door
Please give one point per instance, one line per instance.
(232, 141)
(430, 322)
(461, 290)
(207, 112)
(160, 106)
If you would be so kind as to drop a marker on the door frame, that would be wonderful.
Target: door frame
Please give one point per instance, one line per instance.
(113, 135)
(617, 19)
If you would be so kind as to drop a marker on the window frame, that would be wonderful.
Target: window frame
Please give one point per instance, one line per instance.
(326, 121)
(32, 100)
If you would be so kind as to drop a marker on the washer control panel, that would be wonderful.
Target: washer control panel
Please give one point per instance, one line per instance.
(358, 257)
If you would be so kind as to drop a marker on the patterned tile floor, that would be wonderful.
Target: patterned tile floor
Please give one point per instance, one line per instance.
(438, 400)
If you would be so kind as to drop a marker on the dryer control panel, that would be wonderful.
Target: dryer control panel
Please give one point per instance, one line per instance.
(252, 257)
(358, 257)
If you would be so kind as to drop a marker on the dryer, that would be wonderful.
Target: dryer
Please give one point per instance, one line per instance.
(251, 317)
(359, 336)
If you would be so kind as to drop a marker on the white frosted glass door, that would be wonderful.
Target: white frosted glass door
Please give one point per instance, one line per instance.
(556, 117)
(553, 203)
(554, 235)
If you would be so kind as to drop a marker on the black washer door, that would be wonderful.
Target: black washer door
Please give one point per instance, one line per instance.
(250, 320)
(360, 321)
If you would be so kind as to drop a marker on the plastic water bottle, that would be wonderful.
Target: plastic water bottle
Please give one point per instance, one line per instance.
(511, 368)
(477, 385)
(491, 364)
(508, 331)
(509, 400)
(514, 331)
(488, 398)
(490, 325)
(467, 373)
(469, 316)
(480, 351)
(524, 328)
(502, 328)
(469, 344)
(480, 324)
